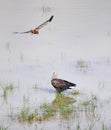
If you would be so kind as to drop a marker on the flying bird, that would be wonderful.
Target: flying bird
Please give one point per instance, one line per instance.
(36, 30)
(60, 84)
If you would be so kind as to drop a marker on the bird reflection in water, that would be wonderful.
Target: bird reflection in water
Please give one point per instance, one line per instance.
(62, 101)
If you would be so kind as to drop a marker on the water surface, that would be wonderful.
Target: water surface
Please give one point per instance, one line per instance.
(76, 44)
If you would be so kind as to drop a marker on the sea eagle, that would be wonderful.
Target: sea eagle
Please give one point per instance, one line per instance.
(60, 84)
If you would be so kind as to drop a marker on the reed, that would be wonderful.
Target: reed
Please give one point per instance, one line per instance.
(3, 127)
(7, 88)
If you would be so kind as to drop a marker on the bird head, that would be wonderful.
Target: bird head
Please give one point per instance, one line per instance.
(54, 76)
(54, 72)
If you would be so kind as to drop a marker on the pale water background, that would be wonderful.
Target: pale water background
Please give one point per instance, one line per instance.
(80, 31)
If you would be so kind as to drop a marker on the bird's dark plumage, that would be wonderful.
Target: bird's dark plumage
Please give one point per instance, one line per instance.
(61, 85)
(36, 30)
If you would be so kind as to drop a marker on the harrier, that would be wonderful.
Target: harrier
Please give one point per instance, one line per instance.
(36, 30)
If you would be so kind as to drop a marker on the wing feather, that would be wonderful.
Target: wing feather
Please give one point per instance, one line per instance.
(37, 28)
(22, 32)
(59, 83)
(44, 23)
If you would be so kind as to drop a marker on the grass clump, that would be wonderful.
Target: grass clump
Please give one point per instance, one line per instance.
(30, 114)
(67, 111)
(27, 113)
(82, 64)
(36, 86)
(75, 92)
(104, 127)
(7, 88)
(47, 110)
(78, 126)
(89, 104)
(24, 114)
(10, 86)
(3, 128)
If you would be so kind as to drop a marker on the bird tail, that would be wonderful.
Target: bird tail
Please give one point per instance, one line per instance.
(72, 84)
(51, 18)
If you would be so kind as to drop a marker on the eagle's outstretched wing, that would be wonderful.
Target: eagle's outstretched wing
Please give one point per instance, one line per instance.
(45, 23)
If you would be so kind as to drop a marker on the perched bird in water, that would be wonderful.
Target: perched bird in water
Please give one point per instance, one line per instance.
(60, 84)
(36, 30)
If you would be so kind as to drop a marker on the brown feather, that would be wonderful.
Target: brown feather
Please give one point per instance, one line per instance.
(43, 24)
(36, 30)
(61, 85)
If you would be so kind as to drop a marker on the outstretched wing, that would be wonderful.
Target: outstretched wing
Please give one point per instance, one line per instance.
(39, 27)
(22, 32)
(45, 23)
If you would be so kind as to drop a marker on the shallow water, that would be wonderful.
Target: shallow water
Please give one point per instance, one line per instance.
(76, 44)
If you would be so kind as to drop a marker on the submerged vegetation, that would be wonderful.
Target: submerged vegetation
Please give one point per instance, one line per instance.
(88, 107)
(6, 88)
(76, 106)
(63, 106)
(36, 86)
(75, 93)
(3, 128)
(30, 114)
(82, 65)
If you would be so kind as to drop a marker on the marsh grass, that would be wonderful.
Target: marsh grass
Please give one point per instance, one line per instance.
(75, 93)
(26, 114)
(36, 86)
(8, 48)
(33, 114)
(21, 57)
(47, 110)
(82, 65)
(88, 107)
(104, 127)
(45, 8)
(11, 114)
(7, 88)
(3, 128)
(64, 108)
(78, 127)
(29, 114)
(89, 104)
(67, 111)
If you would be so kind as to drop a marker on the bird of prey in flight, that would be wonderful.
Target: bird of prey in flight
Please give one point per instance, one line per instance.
(36, 30)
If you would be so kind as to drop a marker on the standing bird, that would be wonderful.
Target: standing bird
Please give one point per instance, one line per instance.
(60, 84)
(36, 30)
